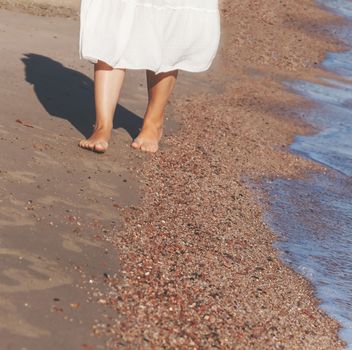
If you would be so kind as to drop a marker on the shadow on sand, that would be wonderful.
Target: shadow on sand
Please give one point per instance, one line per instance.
(68, 94)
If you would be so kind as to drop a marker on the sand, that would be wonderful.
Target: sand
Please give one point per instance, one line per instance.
(197, 267)
(48, 8)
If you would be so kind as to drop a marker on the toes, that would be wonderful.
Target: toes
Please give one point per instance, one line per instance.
(83, 144)
(100, 147)
(150, 147)
(145, 146)
(90, 146)
(136, 144)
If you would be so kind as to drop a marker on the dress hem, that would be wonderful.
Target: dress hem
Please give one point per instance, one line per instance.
(165, 69)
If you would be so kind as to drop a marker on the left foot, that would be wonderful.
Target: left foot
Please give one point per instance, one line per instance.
(148, 139)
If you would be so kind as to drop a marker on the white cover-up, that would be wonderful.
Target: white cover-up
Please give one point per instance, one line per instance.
(159, 35)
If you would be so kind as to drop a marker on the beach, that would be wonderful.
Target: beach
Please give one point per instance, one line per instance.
(163, 251)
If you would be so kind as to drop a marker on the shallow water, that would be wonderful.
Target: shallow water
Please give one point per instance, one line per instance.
(313, 217)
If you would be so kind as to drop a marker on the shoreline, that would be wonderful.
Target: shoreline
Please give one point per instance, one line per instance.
(199, 219)
(316, 240)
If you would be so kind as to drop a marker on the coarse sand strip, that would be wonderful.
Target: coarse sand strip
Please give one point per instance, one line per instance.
(199, 268)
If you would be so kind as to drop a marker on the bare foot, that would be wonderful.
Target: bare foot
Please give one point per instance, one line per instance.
(148, 139)
(98, 142)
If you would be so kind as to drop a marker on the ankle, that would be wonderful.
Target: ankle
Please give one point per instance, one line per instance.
(103, 127)
(151, 127)
(154, 117)
(155, 123)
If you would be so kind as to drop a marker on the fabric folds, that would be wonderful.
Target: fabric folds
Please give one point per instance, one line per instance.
(159, 35)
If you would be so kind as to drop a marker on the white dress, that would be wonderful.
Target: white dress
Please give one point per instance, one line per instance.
(158, 35)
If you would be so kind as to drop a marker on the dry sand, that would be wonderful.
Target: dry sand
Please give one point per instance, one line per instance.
(62, 8)
(198, 269)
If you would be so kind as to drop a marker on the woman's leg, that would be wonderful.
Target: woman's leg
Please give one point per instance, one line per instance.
(107, 88)
(160, 87)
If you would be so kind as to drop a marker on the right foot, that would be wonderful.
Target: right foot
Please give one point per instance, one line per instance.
(98, 142)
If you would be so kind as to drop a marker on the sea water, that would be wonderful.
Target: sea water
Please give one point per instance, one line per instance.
(312, 217)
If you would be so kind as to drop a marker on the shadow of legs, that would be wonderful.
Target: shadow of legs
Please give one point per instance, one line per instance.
(69, 94)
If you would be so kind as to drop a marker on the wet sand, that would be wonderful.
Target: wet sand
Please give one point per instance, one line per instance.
(191, 263)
